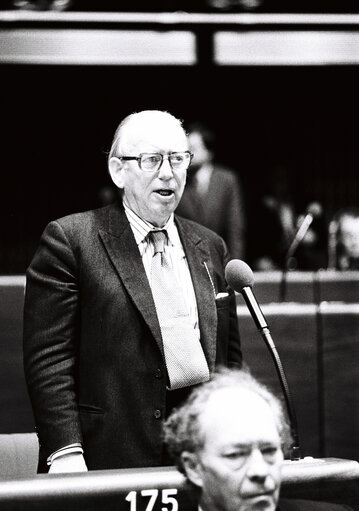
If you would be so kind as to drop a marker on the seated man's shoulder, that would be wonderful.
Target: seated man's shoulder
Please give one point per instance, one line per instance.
(309, 505)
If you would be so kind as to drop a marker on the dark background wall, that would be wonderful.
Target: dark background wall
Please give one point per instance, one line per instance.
(58, 122)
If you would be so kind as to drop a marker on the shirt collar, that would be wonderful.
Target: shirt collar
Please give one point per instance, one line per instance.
(141, 227)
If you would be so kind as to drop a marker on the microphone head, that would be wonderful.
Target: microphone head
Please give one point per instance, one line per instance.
(314, 209)
(239, 275)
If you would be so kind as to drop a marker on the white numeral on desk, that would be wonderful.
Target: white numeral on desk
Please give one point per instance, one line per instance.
(167, 497)
(131, 497)
(153, 496)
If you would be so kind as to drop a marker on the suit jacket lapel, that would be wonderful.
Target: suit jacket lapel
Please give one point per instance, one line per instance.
(122, 249)
(198, 257)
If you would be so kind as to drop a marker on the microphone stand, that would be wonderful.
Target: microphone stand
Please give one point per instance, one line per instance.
(304, 226)
(283, 281)
(262, 326)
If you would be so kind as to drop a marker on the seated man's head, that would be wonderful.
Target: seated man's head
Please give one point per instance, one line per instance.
(148, 161)
(227, 438)
(348, 231)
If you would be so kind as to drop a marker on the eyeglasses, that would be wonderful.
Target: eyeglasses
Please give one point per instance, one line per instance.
(151, 162)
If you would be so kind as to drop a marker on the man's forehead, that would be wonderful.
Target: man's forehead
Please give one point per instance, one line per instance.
(163, 131)
(235, 395)
(237, 408)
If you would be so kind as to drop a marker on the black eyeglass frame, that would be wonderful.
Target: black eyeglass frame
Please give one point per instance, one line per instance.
(139, 157)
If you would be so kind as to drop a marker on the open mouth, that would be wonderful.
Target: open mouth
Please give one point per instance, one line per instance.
(165, 193)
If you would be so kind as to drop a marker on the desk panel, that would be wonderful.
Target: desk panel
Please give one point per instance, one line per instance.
(296, 286)
(307, 287)
(340, 337)
(16, 413)
(338, 286)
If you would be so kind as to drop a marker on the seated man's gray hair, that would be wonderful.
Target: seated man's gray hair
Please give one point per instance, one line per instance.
(182, 429)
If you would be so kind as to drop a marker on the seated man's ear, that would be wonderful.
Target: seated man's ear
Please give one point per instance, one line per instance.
(116, 169)
(192, 468)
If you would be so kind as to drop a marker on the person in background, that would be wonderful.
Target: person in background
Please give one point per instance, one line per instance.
(274, 224)
(126, 309)
(213, 196)
(344, 240)
(228, 439)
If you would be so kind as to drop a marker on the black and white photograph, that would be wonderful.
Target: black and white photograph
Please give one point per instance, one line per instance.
(179, 255)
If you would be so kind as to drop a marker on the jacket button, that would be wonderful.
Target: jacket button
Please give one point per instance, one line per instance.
(158, 373)
(157, 414)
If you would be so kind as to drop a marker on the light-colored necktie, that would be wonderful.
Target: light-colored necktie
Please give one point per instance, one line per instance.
(185, 360)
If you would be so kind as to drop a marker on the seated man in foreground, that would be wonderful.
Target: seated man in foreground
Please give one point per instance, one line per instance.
(228, 439)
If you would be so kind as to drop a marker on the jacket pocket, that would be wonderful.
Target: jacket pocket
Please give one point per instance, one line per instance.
(223, 302)
(84, 408)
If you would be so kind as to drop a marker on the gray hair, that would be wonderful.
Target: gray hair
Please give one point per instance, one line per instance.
(131, 124)
(182, 429)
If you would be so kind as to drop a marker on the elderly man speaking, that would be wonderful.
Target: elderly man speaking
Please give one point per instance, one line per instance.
(126, 310)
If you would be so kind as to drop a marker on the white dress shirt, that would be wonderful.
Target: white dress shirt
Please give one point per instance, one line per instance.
(174, 251)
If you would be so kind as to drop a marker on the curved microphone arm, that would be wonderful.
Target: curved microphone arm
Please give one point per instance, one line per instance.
(262, 326)
(240, 277)
(295, 453)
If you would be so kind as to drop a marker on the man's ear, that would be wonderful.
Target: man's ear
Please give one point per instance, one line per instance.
(192, 468)
(116, 169)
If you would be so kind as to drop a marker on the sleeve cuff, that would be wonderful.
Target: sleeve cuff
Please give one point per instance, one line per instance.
(68, 449)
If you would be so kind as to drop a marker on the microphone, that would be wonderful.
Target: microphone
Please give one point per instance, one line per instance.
(313, 211)
(240, 277)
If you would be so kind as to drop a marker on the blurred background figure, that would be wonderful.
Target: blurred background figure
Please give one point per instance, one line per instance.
(275, 222)
(42, 5)
(260, 6)
(106, 195)
(225, 5)
(213, 195)
(344, 240)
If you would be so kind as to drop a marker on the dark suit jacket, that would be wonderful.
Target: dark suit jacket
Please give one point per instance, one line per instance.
(92, 343)
(285, 505)
(221, 209)
(309, 505)
(289, 505)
